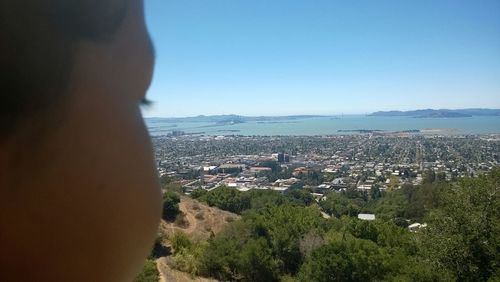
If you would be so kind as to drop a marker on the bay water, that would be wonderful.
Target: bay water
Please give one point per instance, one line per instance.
(347, 124)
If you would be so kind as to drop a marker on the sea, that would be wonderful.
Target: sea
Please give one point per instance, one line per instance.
(332, 125)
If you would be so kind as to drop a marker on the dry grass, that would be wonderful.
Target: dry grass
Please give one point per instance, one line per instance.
(181, 221)
(199, 222)
(200, 216)
(169, 274)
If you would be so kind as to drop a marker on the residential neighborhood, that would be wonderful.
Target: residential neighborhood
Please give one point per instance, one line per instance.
(365, 162)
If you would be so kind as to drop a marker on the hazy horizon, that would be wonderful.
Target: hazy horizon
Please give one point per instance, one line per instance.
(291, 57)
(316, 114)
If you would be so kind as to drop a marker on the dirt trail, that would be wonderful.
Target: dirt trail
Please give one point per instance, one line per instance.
(185, 206)
(167, 274)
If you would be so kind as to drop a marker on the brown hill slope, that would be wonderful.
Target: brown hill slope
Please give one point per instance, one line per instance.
(198, 221)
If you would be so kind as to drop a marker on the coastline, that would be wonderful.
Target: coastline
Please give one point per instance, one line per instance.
(347, 125)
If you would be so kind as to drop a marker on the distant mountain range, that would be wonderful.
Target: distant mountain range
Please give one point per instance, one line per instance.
(235, 119)
(441, 113)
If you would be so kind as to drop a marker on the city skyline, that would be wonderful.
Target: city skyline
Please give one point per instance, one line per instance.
(258, 58)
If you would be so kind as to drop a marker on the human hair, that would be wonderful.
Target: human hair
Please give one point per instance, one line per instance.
(37, 46)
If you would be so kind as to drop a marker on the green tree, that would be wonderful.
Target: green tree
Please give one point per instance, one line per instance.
(346, 260)
(198, 193)
(171, 202)
(421, 199)
(220, 258)
(429, 176)
(262, 246)
(261, 199)
(338, 205)
(312, 178)
(228, 199)
(463, 234)
(299, 197)
(256, 262)
(284, 226)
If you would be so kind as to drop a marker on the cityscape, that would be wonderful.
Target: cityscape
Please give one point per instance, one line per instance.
(322, 163)
(250, 141)
(325, 141)
(404, 194)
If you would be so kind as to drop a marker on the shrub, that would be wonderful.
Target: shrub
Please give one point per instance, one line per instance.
(159, 250)
(352, 260)
(170, 206)
(199, 216)
(180, 241)
(149, 273)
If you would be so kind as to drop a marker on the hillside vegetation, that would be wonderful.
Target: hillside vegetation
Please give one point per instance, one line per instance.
(284, 237)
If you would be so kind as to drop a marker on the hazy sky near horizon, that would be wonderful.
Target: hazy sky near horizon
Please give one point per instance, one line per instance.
(282, 57)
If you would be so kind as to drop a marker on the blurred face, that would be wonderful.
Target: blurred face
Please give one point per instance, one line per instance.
(87, 204)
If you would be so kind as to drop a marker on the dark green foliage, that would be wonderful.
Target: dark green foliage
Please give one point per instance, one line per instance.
(375, 193)
(351, 260)
(180, 241)
(159, 250)
(256, 261)
(296, 186)
(429, 176)
(232, 200)
(275, 174)
(235, 254)
(421, 199)
(228, 199)
(198, 193)
(364, 230)
(463, 235)
(220, 258)
(171, 202)
(392, 205)
(299, 197)
(165, 180)
(401, 222)
(284, 237)
(283, 226)
(410, 202)
(338, 204)
(312, 178)
(384, 234)
(260, 199)
(149, 273)
(174, 187)
(262, 246)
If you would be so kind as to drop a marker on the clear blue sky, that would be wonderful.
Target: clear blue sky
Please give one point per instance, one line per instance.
(281, 57)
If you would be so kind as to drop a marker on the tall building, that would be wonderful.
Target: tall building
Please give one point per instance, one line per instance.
(281, 157)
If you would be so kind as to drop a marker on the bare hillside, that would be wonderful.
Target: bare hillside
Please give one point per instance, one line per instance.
(198, 221)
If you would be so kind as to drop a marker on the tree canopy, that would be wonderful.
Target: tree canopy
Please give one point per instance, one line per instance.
(285, 237)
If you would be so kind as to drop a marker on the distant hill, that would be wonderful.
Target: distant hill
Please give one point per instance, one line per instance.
(441, 113)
